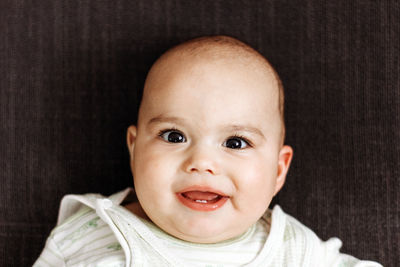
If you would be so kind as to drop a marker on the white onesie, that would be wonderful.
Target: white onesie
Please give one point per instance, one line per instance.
(96, 231)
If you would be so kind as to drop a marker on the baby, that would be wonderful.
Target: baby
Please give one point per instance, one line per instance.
(207, 156)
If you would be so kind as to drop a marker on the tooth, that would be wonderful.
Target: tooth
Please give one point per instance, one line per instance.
(201, 201)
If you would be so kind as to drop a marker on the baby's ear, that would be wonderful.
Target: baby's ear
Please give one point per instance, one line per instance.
(131, 139)
(285, 157)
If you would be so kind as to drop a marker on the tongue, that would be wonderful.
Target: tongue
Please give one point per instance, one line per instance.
(198, 195)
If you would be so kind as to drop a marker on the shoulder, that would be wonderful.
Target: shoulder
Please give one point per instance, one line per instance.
(301, 244)
(76, 226)
(81, 236)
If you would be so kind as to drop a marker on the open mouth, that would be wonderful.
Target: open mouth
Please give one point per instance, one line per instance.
(202, 200)
(202, 197)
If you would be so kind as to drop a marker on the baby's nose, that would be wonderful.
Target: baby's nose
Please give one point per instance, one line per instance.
(201, 160)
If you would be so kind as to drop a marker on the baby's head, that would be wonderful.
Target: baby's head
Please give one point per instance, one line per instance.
(207, 153)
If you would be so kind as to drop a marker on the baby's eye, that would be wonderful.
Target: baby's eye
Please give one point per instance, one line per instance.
(172, 136)
(236, 143)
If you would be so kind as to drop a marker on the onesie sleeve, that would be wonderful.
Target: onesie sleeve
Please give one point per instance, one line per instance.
(50, 256)
(331, 256)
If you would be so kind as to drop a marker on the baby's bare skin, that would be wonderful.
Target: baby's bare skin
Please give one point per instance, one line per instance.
(207, 154)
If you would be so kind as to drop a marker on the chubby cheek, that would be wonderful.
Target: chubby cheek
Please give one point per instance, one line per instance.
(256, 186)
(152, 175)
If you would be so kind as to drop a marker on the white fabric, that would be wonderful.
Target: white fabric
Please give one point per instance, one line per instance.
(97, 231)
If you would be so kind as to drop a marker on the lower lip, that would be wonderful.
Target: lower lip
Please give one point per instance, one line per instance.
(198, 206)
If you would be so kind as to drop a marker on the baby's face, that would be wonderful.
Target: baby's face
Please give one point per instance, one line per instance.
(206, 155)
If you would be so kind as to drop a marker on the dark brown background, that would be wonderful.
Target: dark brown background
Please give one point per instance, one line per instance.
(70, 72)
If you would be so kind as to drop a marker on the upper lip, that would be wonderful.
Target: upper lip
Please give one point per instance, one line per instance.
(203, 189)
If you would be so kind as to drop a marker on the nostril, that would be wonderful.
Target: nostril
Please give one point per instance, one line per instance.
(193, 169)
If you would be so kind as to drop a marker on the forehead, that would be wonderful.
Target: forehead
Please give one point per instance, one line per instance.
(210, 89)
(230, 71)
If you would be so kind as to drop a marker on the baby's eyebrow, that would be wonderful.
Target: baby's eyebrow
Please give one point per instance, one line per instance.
(161, 118)
(245, 128)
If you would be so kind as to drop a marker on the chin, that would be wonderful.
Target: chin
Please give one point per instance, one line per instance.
(204, 235)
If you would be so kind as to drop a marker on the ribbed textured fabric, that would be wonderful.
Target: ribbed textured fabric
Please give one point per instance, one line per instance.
(70, 73)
